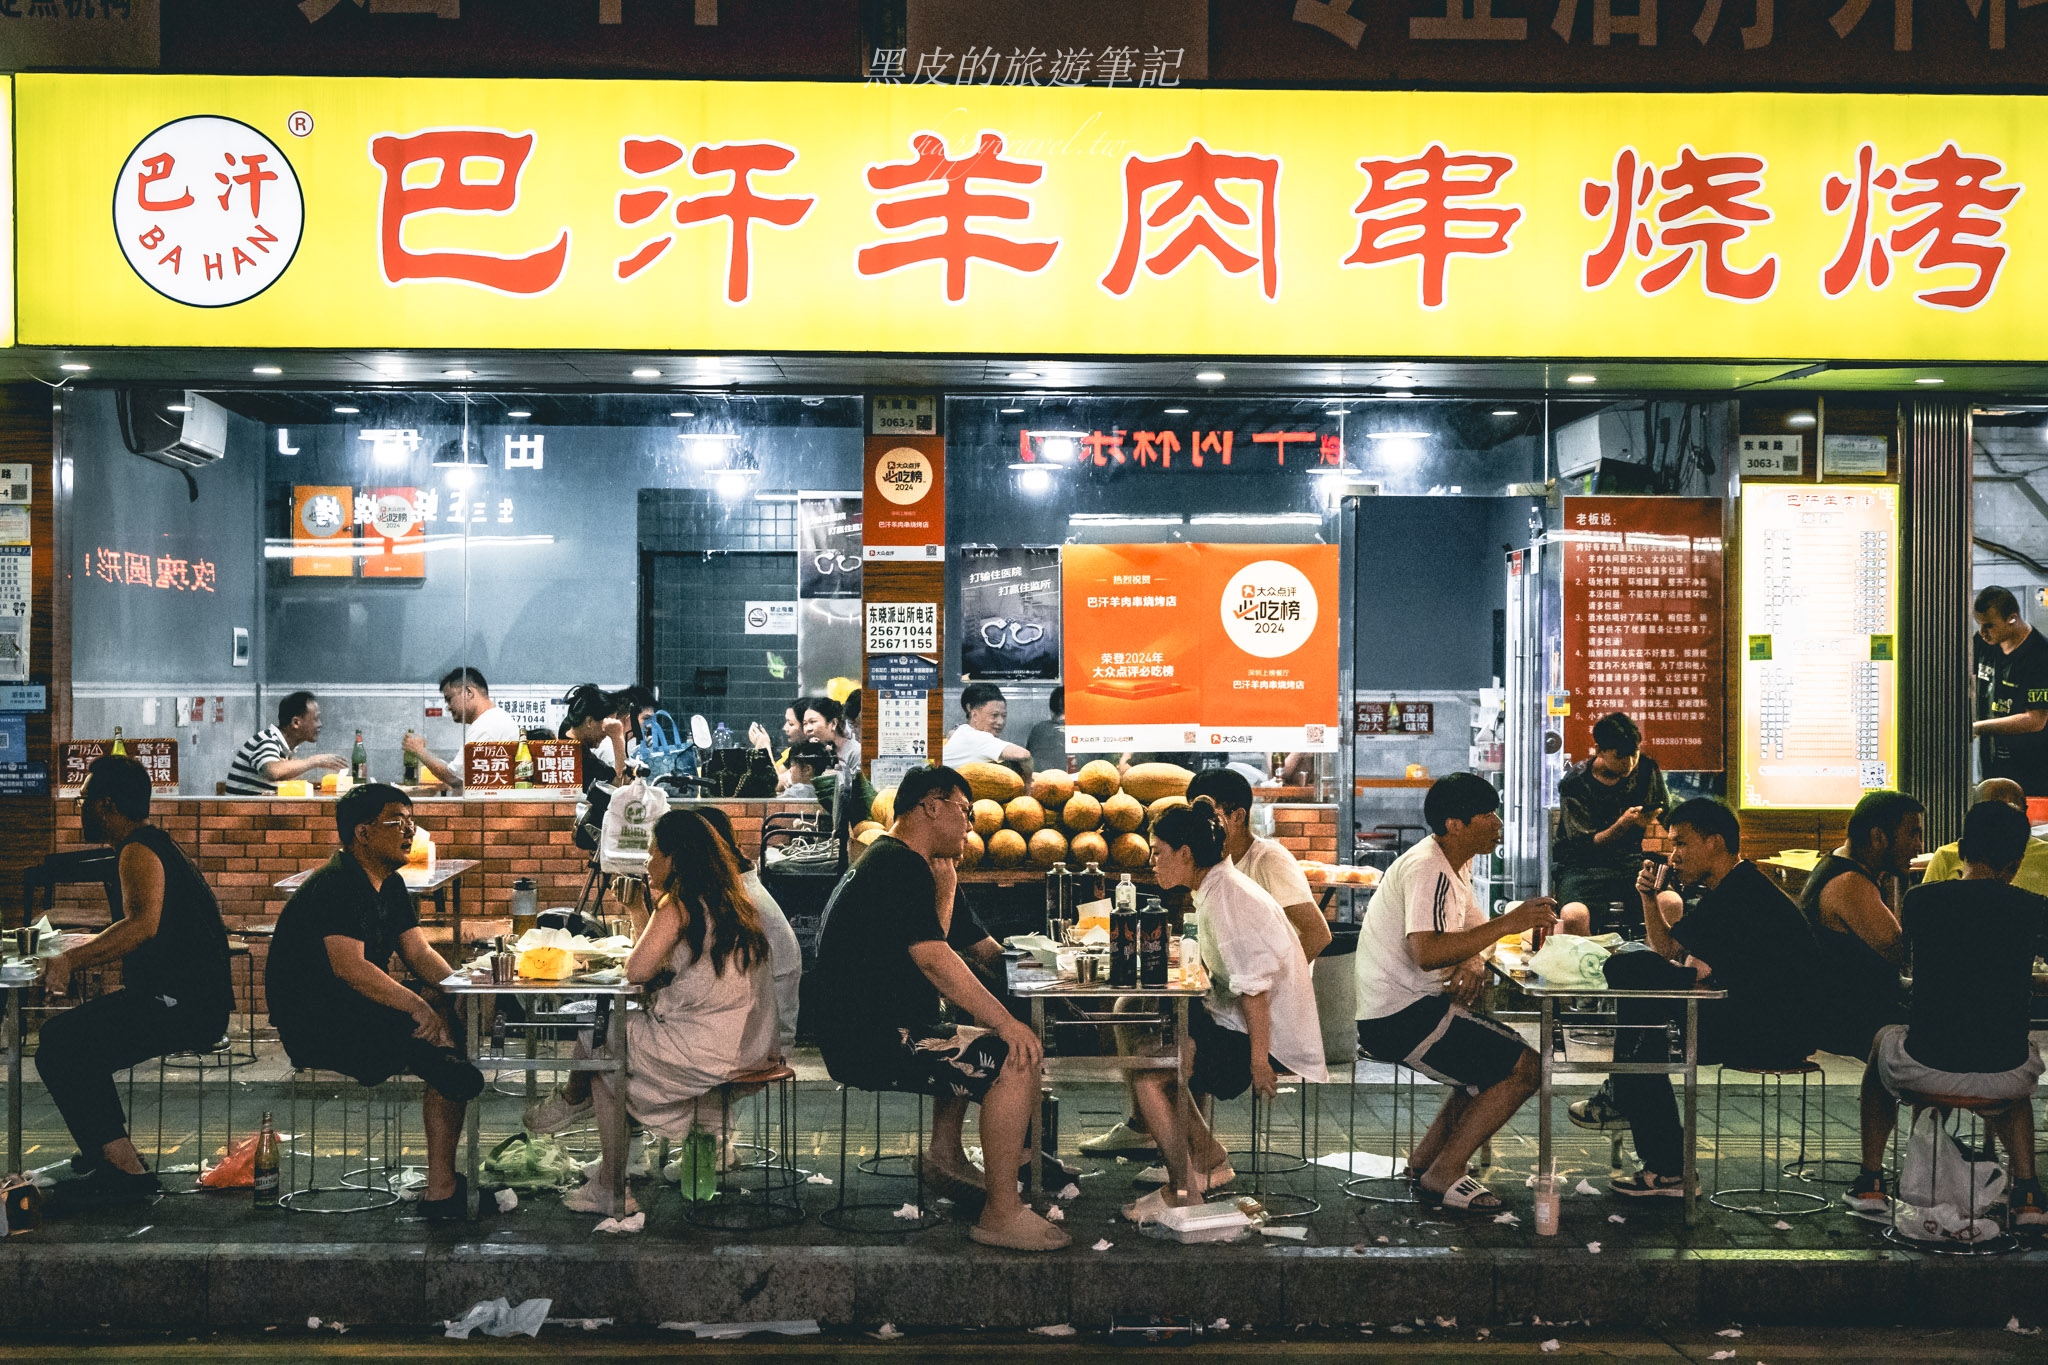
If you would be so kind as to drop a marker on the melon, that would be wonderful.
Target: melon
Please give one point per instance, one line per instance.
(988, 817)
(1089, 847)
(1123, 812)
(867, 827)
(970, 851)
(1047, 847)
(1025, 816)
(867, 836)
(1052, 788)
(992, 782)
(1098, 779)
(1130, 851)
(1150, 781)
(1006, 848)
(1082, 812)
(1163, 805)
(883, 808)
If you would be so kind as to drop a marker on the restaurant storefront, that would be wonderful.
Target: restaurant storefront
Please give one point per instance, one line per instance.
(742, 392)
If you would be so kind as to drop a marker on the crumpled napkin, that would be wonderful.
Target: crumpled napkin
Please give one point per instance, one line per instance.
(633, 1223)
(498, 1318)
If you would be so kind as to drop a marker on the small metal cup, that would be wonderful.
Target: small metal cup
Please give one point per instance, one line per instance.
(1087, 969)
(504, 968)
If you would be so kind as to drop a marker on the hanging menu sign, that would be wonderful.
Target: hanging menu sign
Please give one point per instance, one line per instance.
(1819, 643)
(1642, 625)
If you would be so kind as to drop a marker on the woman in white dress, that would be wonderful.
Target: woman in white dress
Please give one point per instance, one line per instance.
(702, 957)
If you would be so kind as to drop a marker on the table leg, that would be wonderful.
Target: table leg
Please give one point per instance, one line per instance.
(1033, 1129)
(623, 1071)
(15, 1044)
(459, 954)
(1692, 1126)
(1185, 1050)
(1546, 1034)
(473, 1031)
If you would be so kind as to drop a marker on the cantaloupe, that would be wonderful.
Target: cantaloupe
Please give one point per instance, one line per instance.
(1082, 812)
(1163, 805)
(866, 837)
(1051, 789)
(1006, 848)
(1130, 851)
(1098, 779)
(1025, 816)
(865, 827)
(1150, 781)
(1123, 812)
(988, 817)
(971, 851)
(1089, 847)
(992, 782)
(883, 808)
(1047, 847)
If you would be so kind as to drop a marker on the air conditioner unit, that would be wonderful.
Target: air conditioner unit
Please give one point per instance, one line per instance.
(202, 436)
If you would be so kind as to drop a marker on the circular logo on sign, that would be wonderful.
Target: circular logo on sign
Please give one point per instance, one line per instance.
(1269, 609)
(208, 211)
(394, 515)
(903, 476)
(757, 617)
(323, 515)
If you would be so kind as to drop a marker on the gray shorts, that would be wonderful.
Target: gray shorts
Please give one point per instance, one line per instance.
(1899, 1073)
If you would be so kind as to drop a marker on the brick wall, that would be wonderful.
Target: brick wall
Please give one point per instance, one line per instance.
(1307, 831)
(245, 846)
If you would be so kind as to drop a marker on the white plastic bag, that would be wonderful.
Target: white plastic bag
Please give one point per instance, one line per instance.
(1936, 1173)
(1568, 960)
(629, 828)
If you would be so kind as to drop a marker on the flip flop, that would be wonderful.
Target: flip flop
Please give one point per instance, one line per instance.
(1467, 1196)
(1024, 1231)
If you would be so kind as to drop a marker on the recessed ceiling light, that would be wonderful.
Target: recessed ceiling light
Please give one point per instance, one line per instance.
(518, 414)
(1012, 412)
(682, 414)
(73, 367)
(1398, 393)
(1209, 376)
(1176, 412)
(1930, 379)
(1582, 379)
(187, 407)
(646, 373)
(1397, 436)
(347, 411)
(1800, 419)
(265, 369)
(1335, 412)
(458, 374)
(1024, 374)
(1506, 412)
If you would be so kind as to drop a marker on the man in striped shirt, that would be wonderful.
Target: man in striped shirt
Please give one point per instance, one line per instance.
(265, 759)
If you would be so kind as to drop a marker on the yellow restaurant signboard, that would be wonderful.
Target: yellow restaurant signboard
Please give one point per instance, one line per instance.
(259, 212)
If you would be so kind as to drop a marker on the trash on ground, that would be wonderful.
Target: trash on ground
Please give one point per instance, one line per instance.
(726, 1331)
(817, 1178)
(1722, 1355)
(1104, 1244)
(498, 1318)
(1593, 1247)
(2012, 1325)
(1782, 1226)
(587, 1324)
(1055, 1329)
(633, 1223)
(909, 1212)
(508, 1200)
(1730, 1332)
(888, 1331)
(1287, 1231)
(1072, 1191)
(1616, 1218)
(1584, 1187)
(1507, 1218)
(1551, 1345)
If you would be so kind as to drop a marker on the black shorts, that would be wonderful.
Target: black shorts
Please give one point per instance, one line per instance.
(940, 1062)
(372, 1044)
(1445, 1042)
(1223, 1058)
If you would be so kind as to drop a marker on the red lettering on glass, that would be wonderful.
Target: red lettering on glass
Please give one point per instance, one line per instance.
(450, 193)
(1216, 442)
(1279, 441)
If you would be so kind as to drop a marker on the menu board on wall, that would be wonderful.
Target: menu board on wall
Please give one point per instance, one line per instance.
(1642, 625)
(1200, 647)
(1819, 643)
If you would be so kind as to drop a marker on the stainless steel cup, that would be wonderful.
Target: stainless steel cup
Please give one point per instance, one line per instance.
(1086, 970)
(504, 968)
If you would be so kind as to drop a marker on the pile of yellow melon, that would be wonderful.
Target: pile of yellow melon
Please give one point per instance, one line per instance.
(1093, 816)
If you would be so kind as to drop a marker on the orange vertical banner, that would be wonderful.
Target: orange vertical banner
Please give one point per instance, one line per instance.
(323, 516)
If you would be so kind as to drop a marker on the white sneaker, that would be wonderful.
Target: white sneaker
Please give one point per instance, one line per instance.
(1152, 1175)
(591, 1197)
(552, 1113)
(1121, 1139)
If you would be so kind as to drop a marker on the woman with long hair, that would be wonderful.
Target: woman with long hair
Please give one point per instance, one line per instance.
(1258, 1019)
(700, 957)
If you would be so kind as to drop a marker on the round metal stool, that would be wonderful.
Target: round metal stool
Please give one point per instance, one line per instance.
(1769, 1197)
(200, 1062)
(1371, 1188)
(1282, 1204)
(774, 1198)
(1948, 1106)
(372, 1185)
(878, 1218)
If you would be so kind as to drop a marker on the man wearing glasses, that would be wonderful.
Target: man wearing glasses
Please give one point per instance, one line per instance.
(336, 1004)
(889, 948)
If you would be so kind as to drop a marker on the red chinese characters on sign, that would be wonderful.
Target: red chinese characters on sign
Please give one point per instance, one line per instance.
(1156, 449)
(208, 243)
(449, 151)
(740, 204)
(167, 572)
(955, 244)
(1430, 223)
(1197, 176)
(159, 757)
(1706, 212)
(1944, 189)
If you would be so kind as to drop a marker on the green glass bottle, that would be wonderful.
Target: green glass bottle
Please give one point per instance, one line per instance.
(359, 761)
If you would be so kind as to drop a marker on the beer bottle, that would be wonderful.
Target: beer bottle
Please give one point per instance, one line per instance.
(266, 1164)
(359, 761)
(522, 766)
(412, 765)
(119, 750)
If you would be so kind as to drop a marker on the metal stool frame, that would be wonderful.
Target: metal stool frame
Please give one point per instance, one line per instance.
(846, 1217)
(366, 1188)
(177, 1061)
(1995, 1246)
(1305, 1205)
(776, 1201)
(1772, 1199)
(1360, 1186)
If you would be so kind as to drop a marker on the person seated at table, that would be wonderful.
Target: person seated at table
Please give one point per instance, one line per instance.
(979, 739)
(1861, 949)
(1965, 1038)
(706, 964)
(334, 1001)
(482, 720)
(1946, 863)
(175, 992)
(599, 721)
(265, 758)
(884, 962)
(792, 731)
(812, 774)
(775, 1013)
(1744, 936)
(1273, 870)
(1605, 805)
(1421, 966)
(1258, 1019)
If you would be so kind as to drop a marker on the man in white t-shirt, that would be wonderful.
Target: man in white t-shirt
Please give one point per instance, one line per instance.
(470, 706)
(981, 740)
(1420, 967)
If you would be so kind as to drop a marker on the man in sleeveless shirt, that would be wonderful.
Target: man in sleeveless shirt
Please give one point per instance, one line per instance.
(175, 992)
(1861, 948)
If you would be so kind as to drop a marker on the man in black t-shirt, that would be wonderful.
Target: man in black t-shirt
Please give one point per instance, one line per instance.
(175, 994)
(1605, 806)
(2018, 723)
(886, 955)
(336, 1004)
(1965, 1037)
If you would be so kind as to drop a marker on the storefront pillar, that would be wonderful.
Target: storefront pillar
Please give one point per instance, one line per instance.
(27, 817)
(1935, 698)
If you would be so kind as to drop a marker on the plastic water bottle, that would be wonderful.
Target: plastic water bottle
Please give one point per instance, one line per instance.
(700, 1166)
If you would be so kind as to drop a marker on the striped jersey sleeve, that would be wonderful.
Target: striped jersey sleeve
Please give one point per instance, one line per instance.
(1440, 900)
(245, 774)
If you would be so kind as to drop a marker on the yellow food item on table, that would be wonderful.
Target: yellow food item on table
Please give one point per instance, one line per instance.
(988, 817)
(1025, 816)
(329, 782)
(867, 836)
(1312, 872)
(1089, 847)
(1148, 782)
(1052, 788)
(1047, 847)
(1098, 779)
(1082, 812)
(295, 787)
(992, 781)
(422, 851)
(971, 850)
(1006, 848)
(1130, 851)
(883, 807)
(547, 964)
(1123, 812)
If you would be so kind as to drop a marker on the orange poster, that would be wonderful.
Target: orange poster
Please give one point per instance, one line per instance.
(322, 518)
(396, 534)
(903, 502)
(1176, 647)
